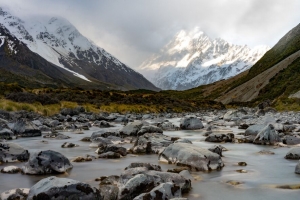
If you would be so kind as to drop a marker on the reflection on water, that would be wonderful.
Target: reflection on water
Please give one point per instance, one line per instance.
(263, 171)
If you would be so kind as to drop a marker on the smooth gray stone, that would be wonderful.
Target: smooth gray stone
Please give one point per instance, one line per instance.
(63, 188)
(47, 162)
(191, 156)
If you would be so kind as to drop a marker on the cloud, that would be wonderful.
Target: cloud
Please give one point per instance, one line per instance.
(133, 30)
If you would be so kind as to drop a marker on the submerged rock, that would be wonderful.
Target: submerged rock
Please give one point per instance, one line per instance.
(63, 188)
(47, 162)
(191, 123)
(11, 152)
(191, 156)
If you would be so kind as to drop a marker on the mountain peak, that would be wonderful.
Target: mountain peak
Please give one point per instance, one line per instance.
(192, 58)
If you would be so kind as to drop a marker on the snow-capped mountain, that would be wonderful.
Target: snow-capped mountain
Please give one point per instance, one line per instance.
(192, 59)
(60, 43)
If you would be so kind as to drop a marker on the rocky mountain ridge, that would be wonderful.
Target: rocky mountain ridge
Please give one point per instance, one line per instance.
(60, 43)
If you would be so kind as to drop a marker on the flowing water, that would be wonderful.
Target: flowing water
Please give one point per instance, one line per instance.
(264, 171)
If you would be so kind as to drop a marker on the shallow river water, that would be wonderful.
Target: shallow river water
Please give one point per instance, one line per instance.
(264, 171)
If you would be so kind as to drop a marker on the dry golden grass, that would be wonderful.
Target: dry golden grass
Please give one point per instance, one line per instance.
(49, 110)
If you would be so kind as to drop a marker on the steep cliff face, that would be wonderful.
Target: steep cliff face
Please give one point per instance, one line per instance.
(60, 43)
(192, 59)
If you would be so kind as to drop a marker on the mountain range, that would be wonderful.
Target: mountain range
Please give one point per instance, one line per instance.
(51, 51)
(191, 59)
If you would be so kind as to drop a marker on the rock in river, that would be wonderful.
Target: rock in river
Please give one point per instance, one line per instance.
(11, 152)
(293, 153)
(62, 188)
(268, 135)
(26, 128)
(15, 194)
(163, 191)
(47, 162)
(151, 143)
(191, 123)
(191, 156)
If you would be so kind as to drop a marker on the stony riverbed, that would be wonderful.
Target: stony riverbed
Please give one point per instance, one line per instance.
(229, 154)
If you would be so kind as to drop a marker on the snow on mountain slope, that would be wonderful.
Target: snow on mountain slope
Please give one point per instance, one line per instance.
(59, 42)
(192, 59)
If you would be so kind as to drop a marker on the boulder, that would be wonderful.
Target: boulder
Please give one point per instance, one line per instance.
(135, 181)
(149, 129)
(220, 137)
(104, 133)
(62, 188)
(267, 135)
(102, 124)
(11, 152)
(110, 192)
(167, 126)
(11, 170)
(100, 142)
(112, 148)
(46, 162)
(131, 129)
(69, 145)
(140, 183)
(25, 128)
(254, 130)
(218, 149)
(6, 134)
(293, 153)
(191, 156)
(292, 140)
(191, 123)
(233, 115)
(15, 194)
(163, 191)
(151, 143)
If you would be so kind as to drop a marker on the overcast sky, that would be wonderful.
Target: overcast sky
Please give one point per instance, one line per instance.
(132, 30)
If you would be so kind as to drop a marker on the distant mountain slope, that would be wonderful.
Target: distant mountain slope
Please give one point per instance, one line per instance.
(192, 59)
(60, 43)
(278, 68)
